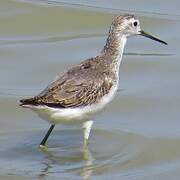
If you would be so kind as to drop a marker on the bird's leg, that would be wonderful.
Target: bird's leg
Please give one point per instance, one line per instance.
(43, 142)
(86, 130)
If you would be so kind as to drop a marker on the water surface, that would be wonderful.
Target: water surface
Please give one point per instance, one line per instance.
(136, 137)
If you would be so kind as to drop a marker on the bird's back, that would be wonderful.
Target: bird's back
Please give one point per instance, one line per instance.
(83, 84)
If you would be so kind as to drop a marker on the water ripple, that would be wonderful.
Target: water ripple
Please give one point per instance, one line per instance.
(110, 10)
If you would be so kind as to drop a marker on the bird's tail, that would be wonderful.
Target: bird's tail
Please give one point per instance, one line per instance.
(28, 102)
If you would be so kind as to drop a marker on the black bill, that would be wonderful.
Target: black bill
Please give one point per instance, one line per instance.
(151, 37)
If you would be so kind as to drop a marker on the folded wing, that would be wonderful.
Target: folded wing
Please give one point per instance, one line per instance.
(80, 86)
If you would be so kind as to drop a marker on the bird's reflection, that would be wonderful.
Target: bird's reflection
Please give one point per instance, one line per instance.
(87, 168)
(68, 159)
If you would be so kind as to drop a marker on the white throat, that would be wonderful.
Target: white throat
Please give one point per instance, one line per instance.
(122, 39)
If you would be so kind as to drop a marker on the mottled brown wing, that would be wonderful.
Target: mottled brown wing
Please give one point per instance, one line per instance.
(74, 89)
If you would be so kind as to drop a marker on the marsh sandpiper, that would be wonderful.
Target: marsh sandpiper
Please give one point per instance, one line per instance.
(89, 86)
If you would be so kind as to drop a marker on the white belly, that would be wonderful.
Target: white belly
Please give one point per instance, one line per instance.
(73, 115)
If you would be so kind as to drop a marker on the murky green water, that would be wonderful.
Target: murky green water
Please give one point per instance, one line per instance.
(138, 134)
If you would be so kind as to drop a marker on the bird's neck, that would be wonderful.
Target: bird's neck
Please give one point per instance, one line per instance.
(114, 47)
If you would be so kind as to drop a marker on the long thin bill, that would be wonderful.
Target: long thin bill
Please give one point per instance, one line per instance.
(152, 37)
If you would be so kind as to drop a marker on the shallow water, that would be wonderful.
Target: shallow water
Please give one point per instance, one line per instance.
(136, 137)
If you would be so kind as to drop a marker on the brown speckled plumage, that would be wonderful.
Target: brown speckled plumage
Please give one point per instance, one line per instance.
(82, 85)
(85, 83)
(88, 87)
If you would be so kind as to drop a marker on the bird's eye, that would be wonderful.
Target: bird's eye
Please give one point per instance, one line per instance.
(135, 23)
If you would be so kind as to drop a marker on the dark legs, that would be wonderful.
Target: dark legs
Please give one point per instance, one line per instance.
(43, 142)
